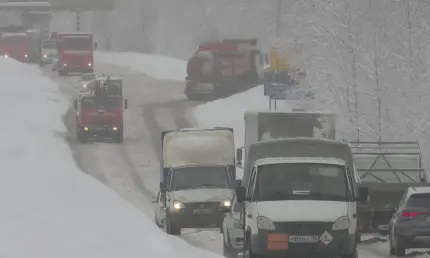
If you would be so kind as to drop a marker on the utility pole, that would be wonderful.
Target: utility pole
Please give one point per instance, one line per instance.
(278, 28)
(78, 20)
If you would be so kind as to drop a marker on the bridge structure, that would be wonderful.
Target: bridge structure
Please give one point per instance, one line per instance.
(38, 15)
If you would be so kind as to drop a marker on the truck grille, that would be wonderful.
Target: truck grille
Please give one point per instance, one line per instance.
(199, 205)
(303, 227)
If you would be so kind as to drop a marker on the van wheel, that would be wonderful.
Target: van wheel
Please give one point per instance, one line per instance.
(228, 250)
(353, 255)
(172, 229)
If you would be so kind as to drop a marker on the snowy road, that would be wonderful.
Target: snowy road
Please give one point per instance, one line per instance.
(131, 168)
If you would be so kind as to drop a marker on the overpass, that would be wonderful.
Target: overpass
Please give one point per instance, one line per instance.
(33, 12)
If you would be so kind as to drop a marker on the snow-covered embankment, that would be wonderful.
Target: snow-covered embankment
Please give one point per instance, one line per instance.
(49, 208)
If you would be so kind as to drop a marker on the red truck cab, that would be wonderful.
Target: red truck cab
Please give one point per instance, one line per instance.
(100, 113)
(75, 53)
(223, 68)
(15, 45)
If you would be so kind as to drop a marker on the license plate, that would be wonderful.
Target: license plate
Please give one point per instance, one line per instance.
(202, 211)
(383, 227)
(101, 128)
(303, 239)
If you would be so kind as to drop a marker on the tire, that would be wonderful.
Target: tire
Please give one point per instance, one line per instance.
(392, 250)
(400, 249)
(172, 229)
(228, 250)
(353, 255)
(119, 137)
(81, 137)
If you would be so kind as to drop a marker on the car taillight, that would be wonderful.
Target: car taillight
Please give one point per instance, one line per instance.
(410, 214)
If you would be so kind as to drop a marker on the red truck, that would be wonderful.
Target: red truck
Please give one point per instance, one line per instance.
(75, 53)
(221, 69)
(15, 45)
(100, 112)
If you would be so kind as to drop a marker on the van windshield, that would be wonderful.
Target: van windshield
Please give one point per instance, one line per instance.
(200, 177)
(302, 181)
(49, 45)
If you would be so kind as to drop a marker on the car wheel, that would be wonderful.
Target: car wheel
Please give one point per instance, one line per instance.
(391, 246)
(400, 249)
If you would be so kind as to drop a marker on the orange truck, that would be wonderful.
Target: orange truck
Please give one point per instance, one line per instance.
(75, 53)
(220, 69)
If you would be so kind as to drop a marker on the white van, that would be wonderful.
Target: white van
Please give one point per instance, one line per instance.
(300, 205)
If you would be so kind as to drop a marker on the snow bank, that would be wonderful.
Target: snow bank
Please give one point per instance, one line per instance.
(156, 66)
(48, 207)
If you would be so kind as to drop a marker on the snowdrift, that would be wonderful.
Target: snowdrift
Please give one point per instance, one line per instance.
(48, 207)
(156, 66)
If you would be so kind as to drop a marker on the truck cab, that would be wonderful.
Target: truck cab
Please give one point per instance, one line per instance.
(75, 52)
(198, 177)
(300, 205)
(49, 51)
(100, 112)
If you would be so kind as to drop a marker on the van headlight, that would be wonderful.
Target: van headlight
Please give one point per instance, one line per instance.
(341, 223)
(225, 203)
(264, 223)
(177, 205)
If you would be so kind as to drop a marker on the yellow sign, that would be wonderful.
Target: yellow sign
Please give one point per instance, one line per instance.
(277, 61)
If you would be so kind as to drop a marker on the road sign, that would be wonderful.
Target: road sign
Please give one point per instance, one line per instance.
(278, 91)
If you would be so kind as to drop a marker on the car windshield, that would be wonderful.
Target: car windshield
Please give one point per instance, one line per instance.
(200, 177)
(87, 77)
(109, 102)
(49, 45)
(419, 200)
(302, 181)
(77, 43)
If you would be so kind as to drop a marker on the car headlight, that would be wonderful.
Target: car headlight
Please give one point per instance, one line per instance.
(25, 55)
(341, 223)
(177, 205)
(265, 223)
(45, 55)
(226, 203)
(90, 64)
(65, 65)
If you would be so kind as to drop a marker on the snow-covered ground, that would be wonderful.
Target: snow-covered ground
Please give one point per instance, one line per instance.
(156, 66)
(49, 207)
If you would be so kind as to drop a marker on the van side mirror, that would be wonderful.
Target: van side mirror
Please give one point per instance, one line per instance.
(75, 104)
(240, 194)
(363, 193)
(394, 210)
(238, 182)
(162, 187)
(239, 156)
(125, 103)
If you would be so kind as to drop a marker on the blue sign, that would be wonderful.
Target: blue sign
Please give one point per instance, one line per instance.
(278, 91)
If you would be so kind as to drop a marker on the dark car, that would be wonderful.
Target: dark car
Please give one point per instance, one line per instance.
(410, 224)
